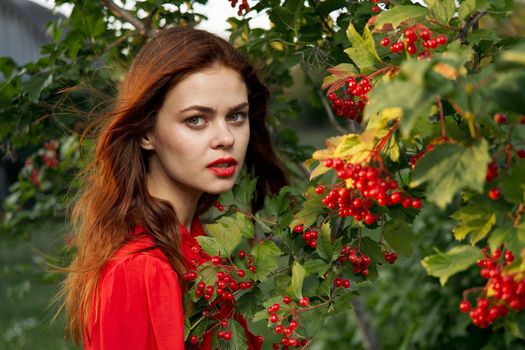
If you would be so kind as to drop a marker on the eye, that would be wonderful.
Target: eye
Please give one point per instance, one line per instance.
(195, 121)
(238, 117)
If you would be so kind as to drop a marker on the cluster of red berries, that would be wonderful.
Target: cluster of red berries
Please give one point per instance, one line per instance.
(414, 159)
(376, 8)
(242, 7)
(228, 280)
(309, 236)
(359, 261)
(49, 154)
(353, 101)
(409, 43)
(219, 206)
(290, 338)
(369, 184)
(507, 290)
(390, 257)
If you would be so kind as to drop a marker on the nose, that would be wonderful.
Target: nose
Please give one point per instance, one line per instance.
(223, 136)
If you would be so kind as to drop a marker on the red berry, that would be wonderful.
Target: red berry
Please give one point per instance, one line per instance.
(274, 318)
(194, 339)
(304, 301)
(416, 203)
(425, 34)
(216, 260)
(346, 283)
(370, 219)
(441, 40)
(521, 153)
(298, 228)
(241, 273)
(227, 335)
(375, 9)
(500, 118)
(385, 42)
(494, 194)
(411, 49)
(287, 300)
(522, 119)
(465, 306)
(279, 329)
(328, 163)
(319, 189)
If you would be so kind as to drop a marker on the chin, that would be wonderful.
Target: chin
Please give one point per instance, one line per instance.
(220, 189)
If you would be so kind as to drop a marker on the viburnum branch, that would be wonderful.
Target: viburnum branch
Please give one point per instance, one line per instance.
(127, 16)
(473, 20)
(331, 116)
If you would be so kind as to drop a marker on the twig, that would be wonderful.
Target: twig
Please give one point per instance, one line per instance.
(371, 342)
(474, 19)
(127, 16)
(330, 113)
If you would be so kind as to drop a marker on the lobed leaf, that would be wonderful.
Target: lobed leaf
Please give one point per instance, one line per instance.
(449, 168)
(444, 265)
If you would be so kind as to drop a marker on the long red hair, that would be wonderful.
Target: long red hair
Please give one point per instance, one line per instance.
(113, 197)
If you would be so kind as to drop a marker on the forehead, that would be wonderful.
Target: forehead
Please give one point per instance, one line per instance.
(213, 87)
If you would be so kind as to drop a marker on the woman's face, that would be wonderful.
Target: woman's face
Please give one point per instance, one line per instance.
(201, 134)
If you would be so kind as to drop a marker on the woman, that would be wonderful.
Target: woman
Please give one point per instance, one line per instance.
(190, 113)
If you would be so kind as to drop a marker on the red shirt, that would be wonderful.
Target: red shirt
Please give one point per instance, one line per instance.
(140, 300)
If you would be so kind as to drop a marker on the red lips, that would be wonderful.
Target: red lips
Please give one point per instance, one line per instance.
(223, 171)
(230, 161)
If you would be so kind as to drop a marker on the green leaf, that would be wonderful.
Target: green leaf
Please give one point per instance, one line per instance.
(7, 66)
(209, 245)
(363, 51)
(241, 194)
(227, 234)
(298, 275)
(238, 340)
(244, 225)
(316, 266)
(514, 239)
(475, 220)
(399, 236)
(466, 8)
(399, 14)
(442, 10)
(312, 207)
(36, 84)
(264, 259)
(249, 302)
(449, 168)
(327, 249)
(512, 183)
(444, 265)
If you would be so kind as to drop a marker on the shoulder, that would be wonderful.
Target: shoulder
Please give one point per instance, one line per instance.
(130, 263)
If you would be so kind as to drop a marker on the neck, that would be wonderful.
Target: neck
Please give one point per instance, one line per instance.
(183, 199)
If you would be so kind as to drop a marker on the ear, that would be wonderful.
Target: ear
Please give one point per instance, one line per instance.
(145, 142)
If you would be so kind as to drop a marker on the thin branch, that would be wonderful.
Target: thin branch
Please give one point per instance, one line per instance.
(370, 340)
(330, 113)
(473, 21)
(127, 16)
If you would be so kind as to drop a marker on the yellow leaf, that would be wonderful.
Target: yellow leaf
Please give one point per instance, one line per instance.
(319, 170)
(447, 71)
(276, 45)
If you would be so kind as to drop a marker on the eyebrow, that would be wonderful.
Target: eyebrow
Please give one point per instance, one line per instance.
(204, 109)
